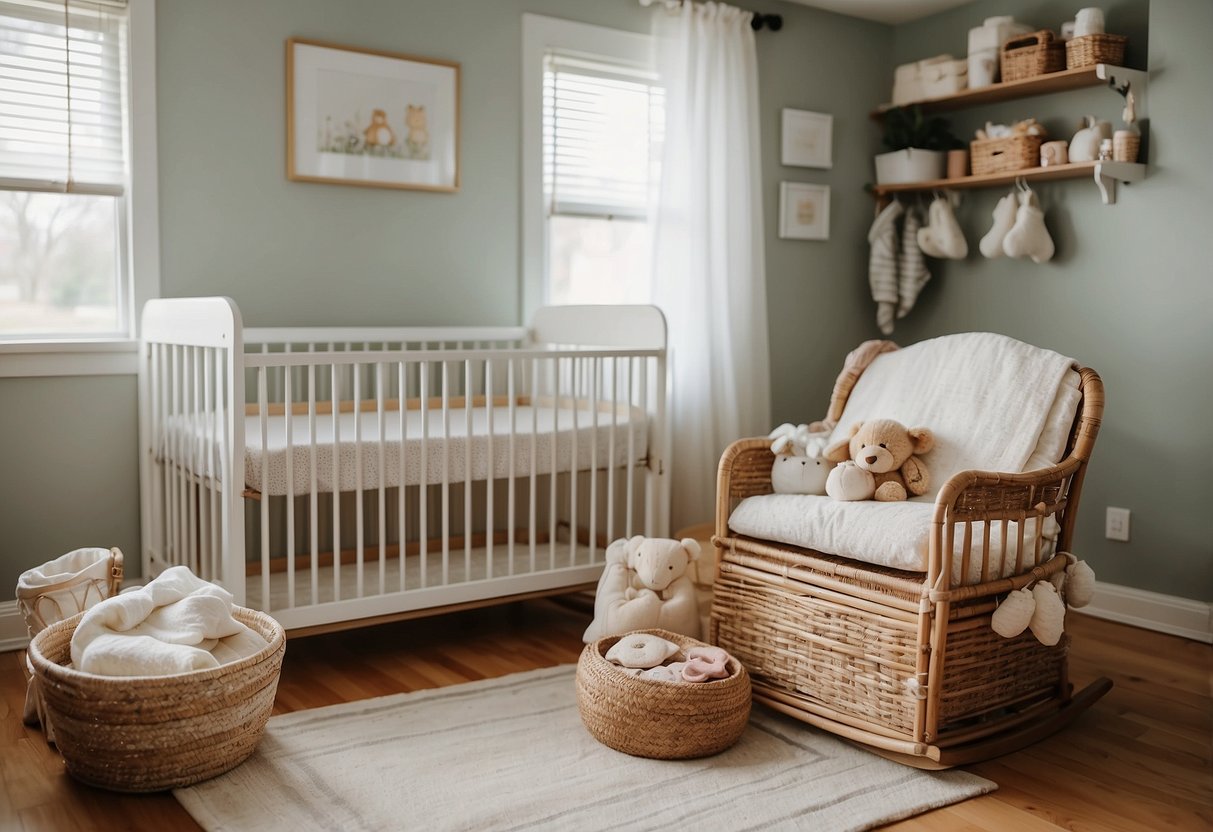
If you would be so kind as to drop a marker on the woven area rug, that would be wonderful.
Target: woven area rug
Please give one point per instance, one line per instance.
(511, 753)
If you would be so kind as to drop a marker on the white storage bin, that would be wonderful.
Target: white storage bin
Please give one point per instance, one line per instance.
(909, 165)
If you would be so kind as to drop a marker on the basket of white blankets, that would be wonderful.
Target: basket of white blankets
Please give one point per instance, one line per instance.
(160, 686)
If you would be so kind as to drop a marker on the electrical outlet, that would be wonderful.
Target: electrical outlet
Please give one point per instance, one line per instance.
(1116, 526)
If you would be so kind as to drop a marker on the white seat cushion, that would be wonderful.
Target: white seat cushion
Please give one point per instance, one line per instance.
(889, 534)
(994, 403)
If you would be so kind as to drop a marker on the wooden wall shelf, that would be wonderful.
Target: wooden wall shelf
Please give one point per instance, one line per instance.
(1069, 79)
(1105, 174)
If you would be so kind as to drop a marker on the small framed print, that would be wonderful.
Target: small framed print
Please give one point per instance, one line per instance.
(364, 117)
(804, 211)
(807, 139)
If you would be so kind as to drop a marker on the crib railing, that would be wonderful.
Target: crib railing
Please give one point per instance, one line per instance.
(384, 463)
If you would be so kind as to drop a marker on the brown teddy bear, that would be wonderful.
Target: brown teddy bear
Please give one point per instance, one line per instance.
(889, 451)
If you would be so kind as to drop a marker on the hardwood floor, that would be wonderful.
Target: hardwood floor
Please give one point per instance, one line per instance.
(1140, 759)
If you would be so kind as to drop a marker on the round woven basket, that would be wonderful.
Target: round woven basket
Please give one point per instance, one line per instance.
(149, 733)
(661, 720)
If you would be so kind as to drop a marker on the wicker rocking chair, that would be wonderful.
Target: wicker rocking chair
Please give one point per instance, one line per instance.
(905, 662)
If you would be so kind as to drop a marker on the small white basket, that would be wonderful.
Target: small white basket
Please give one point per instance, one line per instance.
(57, 590)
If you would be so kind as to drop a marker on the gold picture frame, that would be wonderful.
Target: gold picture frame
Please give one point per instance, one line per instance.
(371, 118)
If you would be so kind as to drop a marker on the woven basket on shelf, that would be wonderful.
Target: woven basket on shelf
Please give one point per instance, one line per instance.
(1030, 55)
(149, 733)
(660, 720)
(1005, 154)
(1089, 50)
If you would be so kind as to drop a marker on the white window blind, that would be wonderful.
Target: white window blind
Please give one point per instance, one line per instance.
(602, 129)
(62, 90)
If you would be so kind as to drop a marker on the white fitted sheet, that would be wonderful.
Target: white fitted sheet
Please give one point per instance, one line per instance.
(543, 428)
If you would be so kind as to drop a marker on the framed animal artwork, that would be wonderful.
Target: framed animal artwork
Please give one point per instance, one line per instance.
(366, 117)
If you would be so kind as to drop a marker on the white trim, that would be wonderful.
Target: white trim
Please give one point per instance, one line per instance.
(105, 357)
(539, 34)
(143, 238)
(13, 633)
(1152, 611)
(116, 356)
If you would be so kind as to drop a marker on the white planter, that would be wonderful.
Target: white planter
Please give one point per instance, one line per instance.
(909, 165)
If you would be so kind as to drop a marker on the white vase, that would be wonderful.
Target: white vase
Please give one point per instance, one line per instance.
(910, 165)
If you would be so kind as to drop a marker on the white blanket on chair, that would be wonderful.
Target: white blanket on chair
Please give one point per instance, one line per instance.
(175, 624)
(994, 403)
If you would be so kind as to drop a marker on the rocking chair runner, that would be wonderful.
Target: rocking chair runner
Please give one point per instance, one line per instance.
(906, 662)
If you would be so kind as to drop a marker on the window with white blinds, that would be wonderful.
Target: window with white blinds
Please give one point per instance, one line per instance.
(602, 130)
(63, 96)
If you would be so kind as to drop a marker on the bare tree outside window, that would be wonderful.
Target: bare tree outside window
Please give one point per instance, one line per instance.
(58, 263)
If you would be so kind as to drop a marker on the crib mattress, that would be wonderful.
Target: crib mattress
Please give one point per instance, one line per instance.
(556, 439)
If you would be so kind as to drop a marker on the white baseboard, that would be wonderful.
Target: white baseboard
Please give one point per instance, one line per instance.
(1137, 607)
(13, 635)
(1153, 611)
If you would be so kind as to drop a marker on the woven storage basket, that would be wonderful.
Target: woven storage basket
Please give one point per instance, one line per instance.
(1030, 55)
(1089, 50)
(149, 733)
(1004, 154)
(661, 720)
(813, 648)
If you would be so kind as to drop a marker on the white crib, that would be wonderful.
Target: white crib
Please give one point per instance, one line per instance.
(333, 475)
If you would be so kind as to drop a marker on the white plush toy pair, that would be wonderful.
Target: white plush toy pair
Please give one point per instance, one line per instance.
(1018, 231)
(1042, 608)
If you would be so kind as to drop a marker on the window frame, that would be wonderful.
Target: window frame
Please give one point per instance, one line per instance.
(138, 234)
(539, 35)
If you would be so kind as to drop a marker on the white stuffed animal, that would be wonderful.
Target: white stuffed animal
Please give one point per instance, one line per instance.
(1004, 220)
(942, 237)
(800, 465)
(850, 483)
(1029, 237)
(645, 586)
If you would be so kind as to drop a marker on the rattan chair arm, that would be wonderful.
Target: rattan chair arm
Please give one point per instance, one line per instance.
(991, 496)
(744, 471)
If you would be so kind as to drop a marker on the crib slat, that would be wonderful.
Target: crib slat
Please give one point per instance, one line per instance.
(262, 418)
(489, 490)
(381, 426)
(446, 473)
(532, 494)
(596, 380)
(225, 381)
(206, 467)
(173, 458)
(611, 465)
(314, 494)
(334, 394)
(631, 483)
(650, 496)
(552, 506)
(191, 481)
(573, 468)
(467, 471)
(424, 489)
(289, 427)
(359, 527)
(404, 444)
(511, 507)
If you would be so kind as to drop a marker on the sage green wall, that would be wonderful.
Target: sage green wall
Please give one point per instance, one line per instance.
(68, 469)
(1129, 293)
(295, 253)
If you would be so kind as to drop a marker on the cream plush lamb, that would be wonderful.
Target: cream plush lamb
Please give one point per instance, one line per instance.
(644, 586)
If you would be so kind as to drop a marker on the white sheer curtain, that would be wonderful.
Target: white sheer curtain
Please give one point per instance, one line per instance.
(708, 270)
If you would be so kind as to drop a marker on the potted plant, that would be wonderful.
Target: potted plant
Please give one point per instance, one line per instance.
(917, 147)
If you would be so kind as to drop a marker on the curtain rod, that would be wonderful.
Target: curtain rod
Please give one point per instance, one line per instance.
(774, 22)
